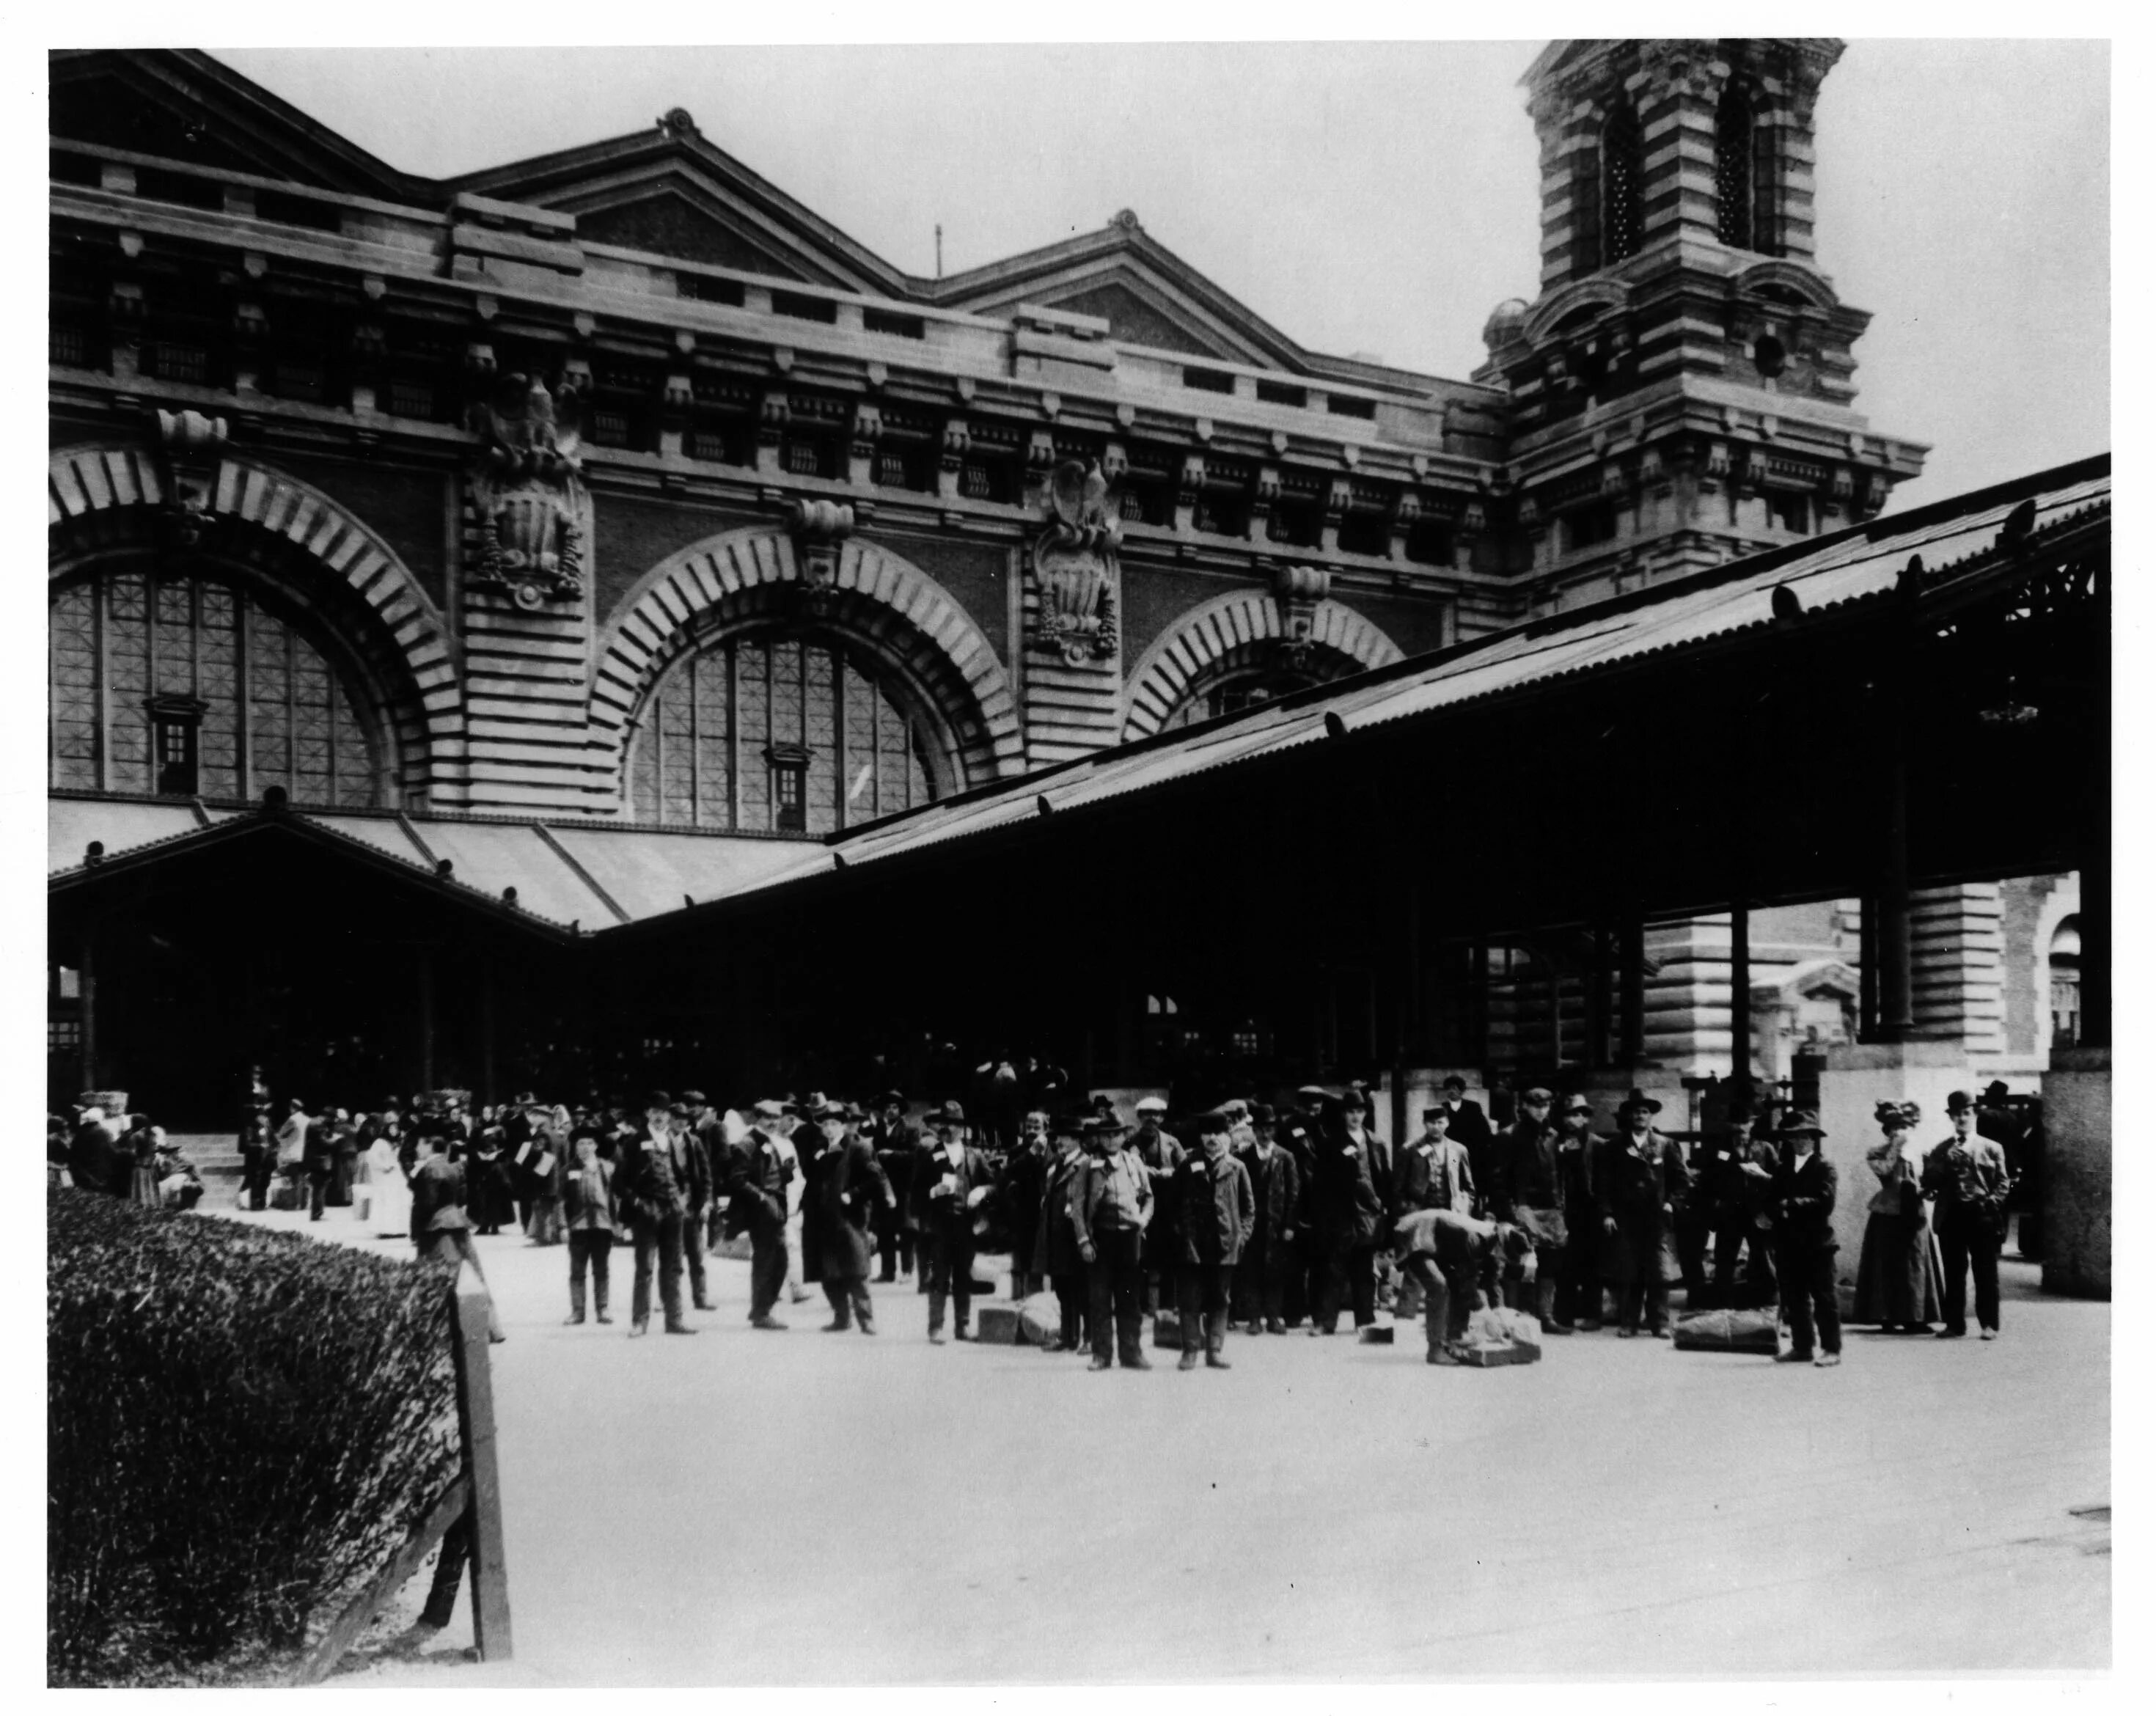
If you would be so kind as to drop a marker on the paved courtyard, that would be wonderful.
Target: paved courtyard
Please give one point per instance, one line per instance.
(811, 1508)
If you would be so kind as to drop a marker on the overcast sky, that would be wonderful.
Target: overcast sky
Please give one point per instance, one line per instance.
(1375, 198)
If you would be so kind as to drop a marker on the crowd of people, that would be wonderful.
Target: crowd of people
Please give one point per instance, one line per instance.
(1274, 1218)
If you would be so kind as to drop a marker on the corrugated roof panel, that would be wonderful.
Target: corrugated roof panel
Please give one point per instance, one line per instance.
(72, 823)
(491, 856)
(647, 873)
(384, 833)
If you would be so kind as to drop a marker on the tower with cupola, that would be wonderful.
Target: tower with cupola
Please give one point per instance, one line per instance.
(1682, 389)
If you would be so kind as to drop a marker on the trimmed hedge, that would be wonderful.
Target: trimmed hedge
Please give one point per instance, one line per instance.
(242, 1426)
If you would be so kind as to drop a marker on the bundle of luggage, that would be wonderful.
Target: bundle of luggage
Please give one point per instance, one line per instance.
(1726, 1331)
(1498, 1335)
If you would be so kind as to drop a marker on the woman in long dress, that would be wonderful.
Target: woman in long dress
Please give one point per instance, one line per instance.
(1898, 1279)
(384, 1202)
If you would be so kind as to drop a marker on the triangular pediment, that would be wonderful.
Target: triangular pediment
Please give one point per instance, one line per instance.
(1147, 295)
(185, 107)
(672, 191)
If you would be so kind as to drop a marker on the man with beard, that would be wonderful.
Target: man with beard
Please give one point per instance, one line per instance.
(898, 1147)
(761, 1171)
(1162, 1153)
(1111, 1204)
(1215, 1212)
(846, 1188)
(1644, 1175)
(1261, 1276)
(1533, 1201)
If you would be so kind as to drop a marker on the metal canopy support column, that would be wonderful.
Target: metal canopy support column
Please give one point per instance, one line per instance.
(1740, 990)
(1867, 972)
(1632, 993)
(1597, 1000)
(2095, 845)
(1897, 1016)
(86, 983)
(426, 976)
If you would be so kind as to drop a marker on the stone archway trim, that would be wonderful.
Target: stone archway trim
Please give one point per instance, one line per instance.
(1176, 661)
(84, 482)
(667, 601)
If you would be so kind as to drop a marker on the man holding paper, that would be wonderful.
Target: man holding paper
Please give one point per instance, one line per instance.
(954, 1180)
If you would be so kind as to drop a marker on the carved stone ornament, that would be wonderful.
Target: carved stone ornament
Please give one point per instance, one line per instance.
(530, 508)
(820, 528)
(1074, 564)
(1297, 590)
(190, 446)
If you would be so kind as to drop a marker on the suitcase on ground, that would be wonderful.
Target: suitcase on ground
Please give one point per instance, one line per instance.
(996, 1325)
(1725, 1332)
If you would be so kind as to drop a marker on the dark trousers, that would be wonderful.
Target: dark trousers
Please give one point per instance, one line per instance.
(1115, 1284)
(767, 1266)
(1758, 1286)
(254, 1180)
(1808, 1290)
(1690, 1229)
(1261, 1282)
(341, 1176)
(317, 1196)
(895, 1251)
(1071, 1308)
(1649, 1293)
(1446, 1303)
(589, 1247)
(849, 1301)
(1201, 1291)
(1579, 1281)
(1964, 1248)
(664, 1237)
(1347, 1275)
(692, 1254)
(949, 1270)
(1297, 1296)
(1024, 1281)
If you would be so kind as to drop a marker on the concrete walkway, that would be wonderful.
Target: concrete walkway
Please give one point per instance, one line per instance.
(813, 1509)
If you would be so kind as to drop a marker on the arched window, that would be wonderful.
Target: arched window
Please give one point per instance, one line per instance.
(188, 685)
(1231, 692)
(769, 731)
(1624, 171)
(1732, 168)
(2065, 960)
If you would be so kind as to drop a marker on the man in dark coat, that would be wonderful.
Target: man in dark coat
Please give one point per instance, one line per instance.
(1055, 1250)
(95, 1161)
(1643, 1175)
(1803, 1199)
(696, 1194)
(319, 1159)
(1532, 1200)
(1024, 1181)
(847, 1188)
(1162, 1153)
(1967, 1174)
(757, 1185)
(651, 1179)
(1111, 1202)
(1469, 1127)
(898, 1147)
(954, 1180)
(1215, 1212)
(1306, 1270)
(1261, 1276)
(1579, 1277)
(1347, 1212)
(1736, 1179)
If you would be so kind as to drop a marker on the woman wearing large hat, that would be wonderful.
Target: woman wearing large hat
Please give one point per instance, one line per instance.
(1898, 1281)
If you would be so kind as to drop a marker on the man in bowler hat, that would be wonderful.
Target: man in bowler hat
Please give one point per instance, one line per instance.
(954, 1181)
(1967, 1174)
(1803, 1201)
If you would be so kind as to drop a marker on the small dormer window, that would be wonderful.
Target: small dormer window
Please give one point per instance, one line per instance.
(789, 788)
(175, 725)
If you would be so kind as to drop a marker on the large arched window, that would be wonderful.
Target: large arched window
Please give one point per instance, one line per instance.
(1623, 169)
(188, 685)
(770, 730)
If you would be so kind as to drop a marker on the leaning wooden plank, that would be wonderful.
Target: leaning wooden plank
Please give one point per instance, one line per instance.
(490, 1575)
(346, 1628)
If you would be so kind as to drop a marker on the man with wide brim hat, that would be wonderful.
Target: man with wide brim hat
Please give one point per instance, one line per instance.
(897, 1146)
(1111, 1202)
(1803, 1196)
(759, 1176)
(846, 1188)
(1644, 1174)
(954, 1182)
(1055, 1250)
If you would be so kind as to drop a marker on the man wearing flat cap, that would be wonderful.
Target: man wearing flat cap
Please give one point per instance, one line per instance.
(1967, 1174)
(1803, 1201)
(953, 1181)
(1162, 1153)
(761, 1171)
(1644, 1174)
(1215, 1210)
